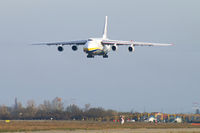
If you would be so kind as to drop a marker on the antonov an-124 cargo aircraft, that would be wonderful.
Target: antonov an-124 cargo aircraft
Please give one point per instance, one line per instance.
(101, 46)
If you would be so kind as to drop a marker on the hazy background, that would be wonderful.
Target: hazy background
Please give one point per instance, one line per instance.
(151, 79)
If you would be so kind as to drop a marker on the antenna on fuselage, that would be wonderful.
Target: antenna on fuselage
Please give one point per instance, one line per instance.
(105, 28)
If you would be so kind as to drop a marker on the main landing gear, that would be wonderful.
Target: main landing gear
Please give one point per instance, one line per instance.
(90, 56)
(105, 56)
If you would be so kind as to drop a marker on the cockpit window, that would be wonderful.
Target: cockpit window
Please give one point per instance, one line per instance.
(90, 40)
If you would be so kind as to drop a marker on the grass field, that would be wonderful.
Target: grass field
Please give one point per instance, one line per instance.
(14, 126)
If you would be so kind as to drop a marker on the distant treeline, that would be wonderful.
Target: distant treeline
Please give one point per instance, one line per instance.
(55, 110)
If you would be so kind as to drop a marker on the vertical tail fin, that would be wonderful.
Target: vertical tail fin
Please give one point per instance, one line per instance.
(105, 28)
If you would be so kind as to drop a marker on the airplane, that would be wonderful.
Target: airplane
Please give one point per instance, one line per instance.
(101, 46)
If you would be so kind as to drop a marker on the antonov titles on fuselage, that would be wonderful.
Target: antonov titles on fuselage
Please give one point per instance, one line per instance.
(101, 46)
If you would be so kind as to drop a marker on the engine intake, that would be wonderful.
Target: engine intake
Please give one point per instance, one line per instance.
(60, 48)
(74, 48)
(131, 49)
(114, 48)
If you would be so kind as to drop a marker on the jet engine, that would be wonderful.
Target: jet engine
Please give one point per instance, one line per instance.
(60, 48)
(131, 49)
(114, 48)
(74, 48)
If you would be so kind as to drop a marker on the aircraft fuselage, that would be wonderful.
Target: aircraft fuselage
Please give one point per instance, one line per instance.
(94, 47)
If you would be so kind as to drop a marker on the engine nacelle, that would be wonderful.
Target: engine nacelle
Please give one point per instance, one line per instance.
(74, 48)
(60, 48)
(114, 48)
(131, 49)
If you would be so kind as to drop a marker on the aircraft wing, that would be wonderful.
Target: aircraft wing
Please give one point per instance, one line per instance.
(118, 42)
(78, 42)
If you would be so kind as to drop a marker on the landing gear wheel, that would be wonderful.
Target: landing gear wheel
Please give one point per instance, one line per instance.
(105, 56)
(90, 56)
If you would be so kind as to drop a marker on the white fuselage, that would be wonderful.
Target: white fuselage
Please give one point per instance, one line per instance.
(94, 47)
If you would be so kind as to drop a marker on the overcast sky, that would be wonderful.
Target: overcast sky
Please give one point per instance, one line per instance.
(151, 79)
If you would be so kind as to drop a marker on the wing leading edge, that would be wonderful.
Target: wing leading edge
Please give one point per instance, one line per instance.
(118, 42)
(78, 42)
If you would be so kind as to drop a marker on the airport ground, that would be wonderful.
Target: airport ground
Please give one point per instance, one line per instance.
(194, 130)
(95, 127)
